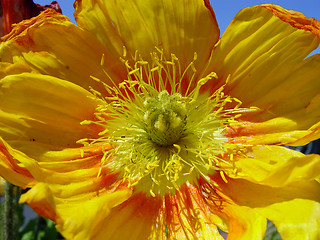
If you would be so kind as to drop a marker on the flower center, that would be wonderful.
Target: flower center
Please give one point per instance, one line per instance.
(165, 118)
(163, 131)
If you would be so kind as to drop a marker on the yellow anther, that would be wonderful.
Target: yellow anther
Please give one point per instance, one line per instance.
(96, 79)
(159, 50)
(143, 62)
(177, 147)
(124, 51)
(203, 81)
(96, 93)
(152, 193)
(104, 132)
(223, 177)
(195, 56)
(102, 60)
(193, 67)
(99, 172)
(154, 69)
(85, 122)
(218, 111)
(134, 71)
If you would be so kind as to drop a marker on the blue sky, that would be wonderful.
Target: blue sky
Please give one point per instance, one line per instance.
(226, 9)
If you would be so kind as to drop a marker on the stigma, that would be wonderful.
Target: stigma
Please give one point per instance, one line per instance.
(165, 118)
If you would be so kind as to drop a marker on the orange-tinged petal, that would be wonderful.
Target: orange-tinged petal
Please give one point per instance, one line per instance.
(296, 19)
(11, 170)
(89, 187)
(142, 25)
(14, 11)
(191, 213)
(241, 222)
(263, 51)
(61, 49)
(41, 200)
(184, 215)
(244, 223)
(75, 219)
(133, 219)
(79, 167)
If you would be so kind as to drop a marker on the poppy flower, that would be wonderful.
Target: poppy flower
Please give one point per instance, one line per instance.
(141, 122)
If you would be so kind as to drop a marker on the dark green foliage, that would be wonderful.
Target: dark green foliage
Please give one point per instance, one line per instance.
(272, 233)
(40, 229)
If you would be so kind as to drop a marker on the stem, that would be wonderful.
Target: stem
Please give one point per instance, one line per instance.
(9, 221)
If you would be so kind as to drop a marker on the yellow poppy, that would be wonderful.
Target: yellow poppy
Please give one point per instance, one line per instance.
(142, 123)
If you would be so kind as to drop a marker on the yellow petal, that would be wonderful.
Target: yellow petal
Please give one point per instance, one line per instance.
(292, 131)
(52, 45)
(294, 209)
(75, 219)
(293, 95)
(246, 193)
(44, 129)
(296, 219)
(11, 69)
(276, 166)
(44, 109)
(80, 226)
(263, 51)
(259, 48)
(295, 170)
(174, 26)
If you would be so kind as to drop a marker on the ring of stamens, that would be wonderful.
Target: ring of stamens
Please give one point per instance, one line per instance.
(161, 134)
